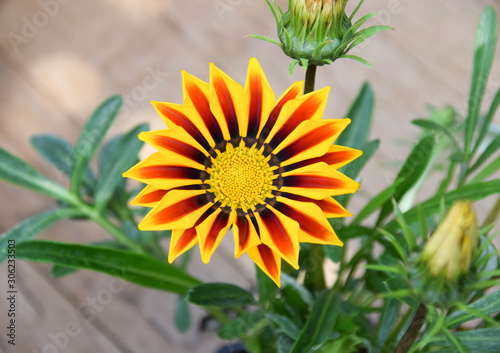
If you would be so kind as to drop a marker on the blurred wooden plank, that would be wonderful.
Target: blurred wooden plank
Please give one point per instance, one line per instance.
(88, 50)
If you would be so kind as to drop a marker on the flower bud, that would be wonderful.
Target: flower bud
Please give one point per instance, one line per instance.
(450, 249)
(318, 32)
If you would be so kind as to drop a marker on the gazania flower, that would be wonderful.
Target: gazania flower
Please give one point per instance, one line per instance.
(237, 157)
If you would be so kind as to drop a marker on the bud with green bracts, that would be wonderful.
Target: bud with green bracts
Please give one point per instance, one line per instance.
(318, 32)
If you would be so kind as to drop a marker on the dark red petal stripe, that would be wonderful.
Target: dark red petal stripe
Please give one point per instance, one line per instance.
(268, 258)
(312, 181)
(277, 232)
(220, 222)
(170, 172)
(304, 112)
(243, 231)
(202, 105)
(180, 119)
(179, 209)
(307, 141)
(180, 147)
(254, 116)
(330, 158)
(273, 116)
(307, 224)
(323, 204)
(151, 197)
(186, 238)
(227, 105)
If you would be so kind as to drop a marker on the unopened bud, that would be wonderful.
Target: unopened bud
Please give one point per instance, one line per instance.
(450, 249)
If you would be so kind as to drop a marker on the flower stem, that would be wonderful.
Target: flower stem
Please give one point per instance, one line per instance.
(310, 78)
(315, 278)
(413, 330)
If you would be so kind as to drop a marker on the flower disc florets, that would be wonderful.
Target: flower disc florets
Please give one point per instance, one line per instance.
(241, 177)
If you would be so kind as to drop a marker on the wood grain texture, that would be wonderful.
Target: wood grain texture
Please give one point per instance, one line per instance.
(73, 54)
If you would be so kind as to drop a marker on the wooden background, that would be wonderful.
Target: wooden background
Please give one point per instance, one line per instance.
(60, 59)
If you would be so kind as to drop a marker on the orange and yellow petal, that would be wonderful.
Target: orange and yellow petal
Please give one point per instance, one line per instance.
(157, 171)
(311, 139)
(308, 107)
(268, 261)
(293, 92)
(245, 234)
(178, 209)
(314, 227)
(280, 233)
(330, 207)
(150, 196)
(258, 101)
(226, 102)
(177, 145)
(317, 181)
(211, 231)
(181, 241)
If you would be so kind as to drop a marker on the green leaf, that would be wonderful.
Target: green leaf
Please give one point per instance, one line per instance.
(30, 227)
(342, 344)
(182, 315)
(91, 138)
(487, 120)
(484, 52)
(219, 295)
(114, 161)
(410, 238)
(266, 287)
(285, 344)
(59, 152)
(285, 324)
(358, 59)
(241, 326)
(356, 133)
(294, 291)
(57, 271)
(410, 172)
(320, 323)
(486, 171)
(388, 318)
(471, 192)
(395, 244)
(18, 172)
(132, 267)
(488, 152)
(487, 305)
(266, 39)
(484, 340)
(375, 203)
(384, 268)
(333, 252)
(429, 124)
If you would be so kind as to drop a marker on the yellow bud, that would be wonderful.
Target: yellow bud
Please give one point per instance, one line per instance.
(451, 246)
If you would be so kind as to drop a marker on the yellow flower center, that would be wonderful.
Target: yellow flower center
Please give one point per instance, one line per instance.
(241, 177)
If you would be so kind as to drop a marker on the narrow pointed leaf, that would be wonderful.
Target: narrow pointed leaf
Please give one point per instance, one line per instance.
(471, 192)
(484, 52)
(219, 295)
(115, 160)
(182, 315)
(242, 325)
(18, 172)
(488, 120)
(32, 226)
(59, 152)
(91, 138)
(410, 172)
(135, 268)
(487, 305)
(488, 152)
(320, 323)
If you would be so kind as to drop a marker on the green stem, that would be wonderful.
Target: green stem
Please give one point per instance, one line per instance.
(315, 278)
(107, 225)
(413, 330)
(310, 78)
